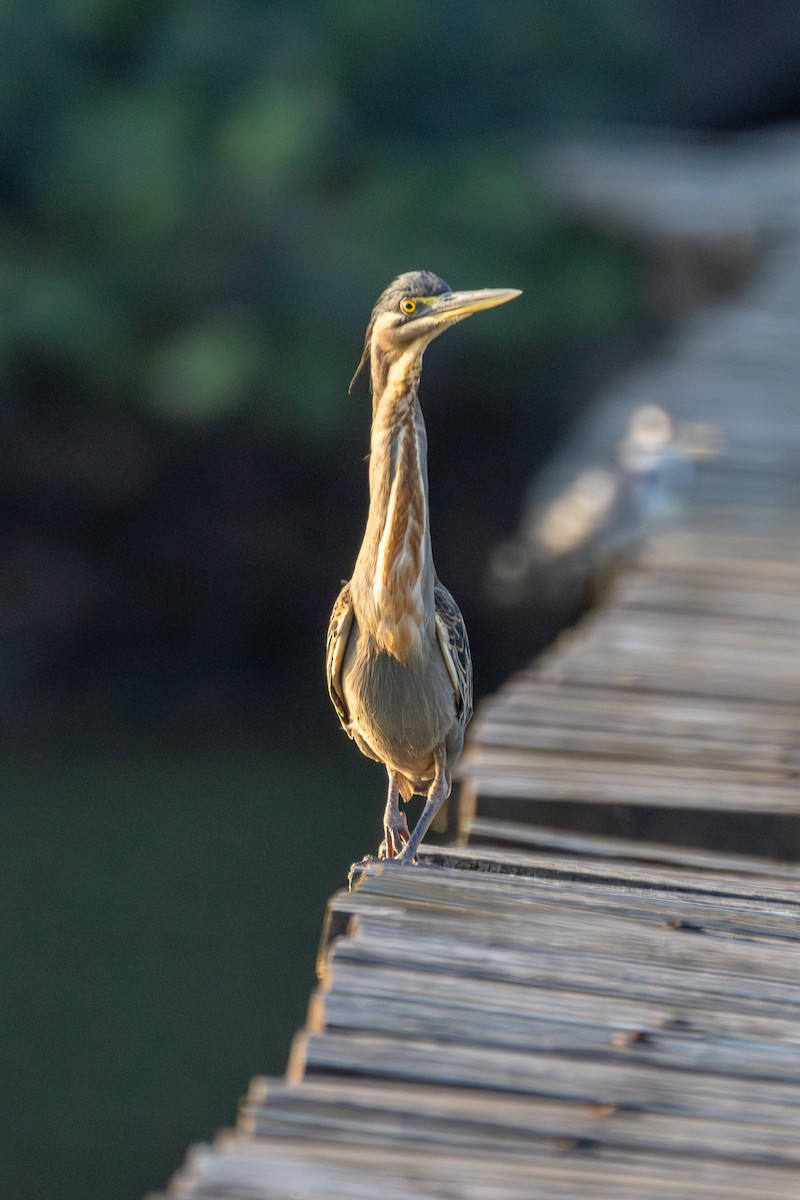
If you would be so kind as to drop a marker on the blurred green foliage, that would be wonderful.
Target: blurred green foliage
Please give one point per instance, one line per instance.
(201, 198)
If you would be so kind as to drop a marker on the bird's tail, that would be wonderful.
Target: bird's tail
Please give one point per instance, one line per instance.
(405, 786)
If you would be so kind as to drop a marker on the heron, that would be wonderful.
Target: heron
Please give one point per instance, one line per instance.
(581, 526)
(398, 660)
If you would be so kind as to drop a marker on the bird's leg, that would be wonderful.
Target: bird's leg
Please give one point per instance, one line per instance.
(395, 825)
(437, 794)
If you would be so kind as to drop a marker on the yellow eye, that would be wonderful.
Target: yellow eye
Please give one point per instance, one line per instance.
(408, 306)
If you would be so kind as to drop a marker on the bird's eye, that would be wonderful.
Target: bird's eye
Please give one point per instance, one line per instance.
(408, 306)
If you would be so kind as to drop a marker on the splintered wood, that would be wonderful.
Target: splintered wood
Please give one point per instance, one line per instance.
(595, 994)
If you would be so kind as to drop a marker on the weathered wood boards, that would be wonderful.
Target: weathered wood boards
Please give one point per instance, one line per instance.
(243, 1168)
(673, 713)
(577, 1029)
(567, 1031)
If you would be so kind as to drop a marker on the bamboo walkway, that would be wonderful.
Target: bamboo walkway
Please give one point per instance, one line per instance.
(595, 993)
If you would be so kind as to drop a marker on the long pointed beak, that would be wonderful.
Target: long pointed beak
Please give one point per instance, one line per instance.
(454, 305)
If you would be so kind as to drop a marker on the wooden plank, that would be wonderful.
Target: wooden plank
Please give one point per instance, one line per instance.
(613, 1018)
(646, 631)
(476, 1016)
(704, 1095)
(540, 700)
(433, 1116)
(603, 850)
(480, 891)
(673, 667)
(238, 1167)
(718, 648)
(481, 875)
(515, 724)
(673, 978)
(532, 700)
(741, 557)
(775, 601)
(518, 774)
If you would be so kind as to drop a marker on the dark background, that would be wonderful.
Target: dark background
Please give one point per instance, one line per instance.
(199, 202)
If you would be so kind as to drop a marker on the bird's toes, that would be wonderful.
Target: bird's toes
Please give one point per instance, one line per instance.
(396, 834)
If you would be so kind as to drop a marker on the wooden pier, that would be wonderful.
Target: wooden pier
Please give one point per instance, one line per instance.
(594, 994)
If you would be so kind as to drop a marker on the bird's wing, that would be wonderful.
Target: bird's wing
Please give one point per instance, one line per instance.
(454, 644)
(339, 628)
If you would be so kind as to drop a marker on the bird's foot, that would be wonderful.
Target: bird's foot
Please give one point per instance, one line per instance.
(396, 835)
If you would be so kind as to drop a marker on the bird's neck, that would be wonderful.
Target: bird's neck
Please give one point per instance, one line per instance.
(394, 577)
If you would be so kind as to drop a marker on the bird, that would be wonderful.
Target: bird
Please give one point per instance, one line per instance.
(399, 666)
(581, 526)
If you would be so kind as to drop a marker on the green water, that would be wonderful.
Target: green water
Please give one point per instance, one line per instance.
(161, 912)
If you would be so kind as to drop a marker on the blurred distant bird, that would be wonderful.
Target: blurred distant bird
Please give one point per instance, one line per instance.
(398, 659)
(594, 523)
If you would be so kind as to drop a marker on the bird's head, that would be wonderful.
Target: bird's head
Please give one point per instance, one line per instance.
(414, 309)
